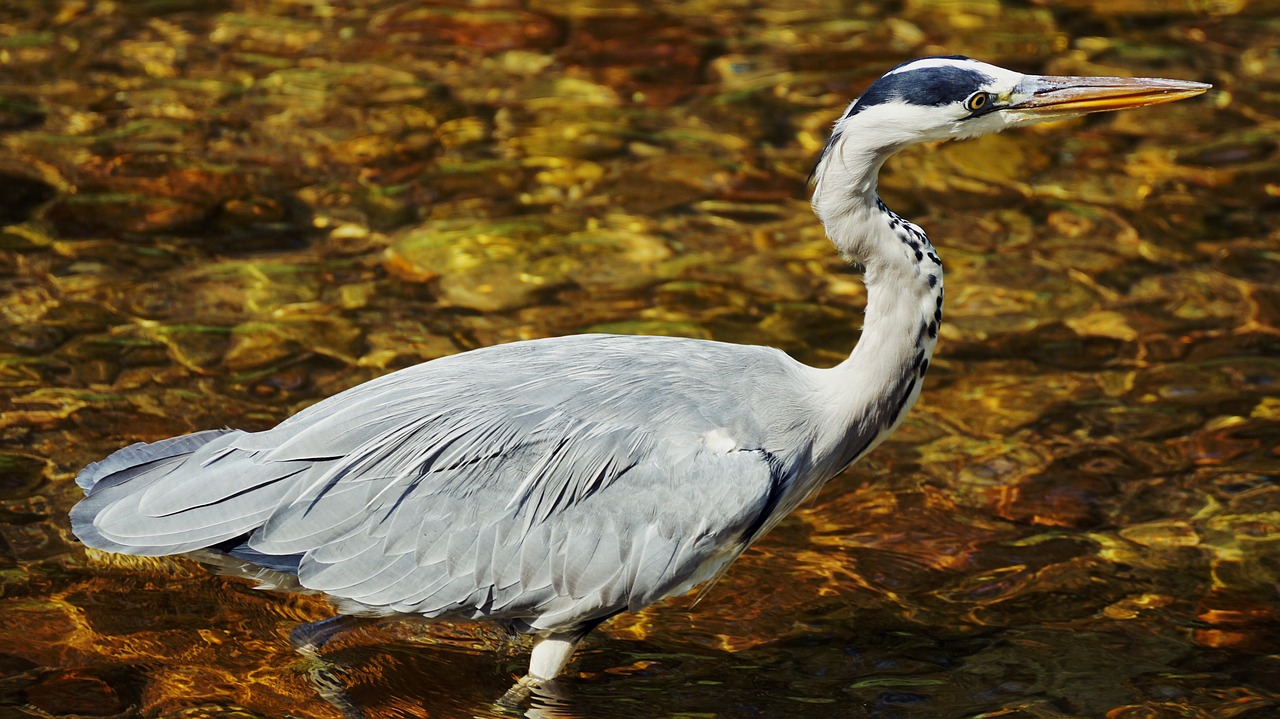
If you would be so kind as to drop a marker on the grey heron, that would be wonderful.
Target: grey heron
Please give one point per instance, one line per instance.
(554, 483)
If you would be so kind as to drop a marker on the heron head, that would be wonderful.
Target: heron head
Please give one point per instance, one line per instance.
(954, 97)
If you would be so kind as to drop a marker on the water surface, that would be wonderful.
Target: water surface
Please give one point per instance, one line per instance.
(216, 213)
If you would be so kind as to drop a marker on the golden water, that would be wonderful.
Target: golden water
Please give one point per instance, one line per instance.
(215, 213)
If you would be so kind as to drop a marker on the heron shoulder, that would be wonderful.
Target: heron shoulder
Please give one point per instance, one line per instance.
(663, 384)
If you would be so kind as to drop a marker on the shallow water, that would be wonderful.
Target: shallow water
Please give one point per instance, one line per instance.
(216, 213)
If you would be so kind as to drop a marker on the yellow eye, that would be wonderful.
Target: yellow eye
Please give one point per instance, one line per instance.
(977, 101)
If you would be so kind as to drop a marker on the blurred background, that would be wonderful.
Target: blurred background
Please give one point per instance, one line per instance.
(216, 213)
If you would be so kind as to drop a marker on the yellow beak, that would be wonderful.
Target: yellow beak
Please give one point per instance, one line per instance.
(1047, 97)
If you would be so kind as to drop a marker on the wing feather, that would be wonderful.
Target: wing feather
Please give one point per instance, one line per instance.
(127, 462)
(503, 482)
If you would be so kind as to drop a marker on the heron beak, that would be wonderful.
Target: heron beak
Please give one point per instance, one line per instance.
(1047, 97)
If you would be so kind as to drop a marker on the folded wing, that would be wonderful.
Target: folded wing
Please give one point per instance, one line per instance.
(510, 487)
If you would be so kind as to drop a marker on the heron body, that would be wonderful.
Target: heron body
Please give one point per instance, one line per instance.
(554, 483)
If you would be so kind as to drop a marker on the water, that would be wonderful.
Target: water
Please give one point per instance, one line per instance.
(217, 213)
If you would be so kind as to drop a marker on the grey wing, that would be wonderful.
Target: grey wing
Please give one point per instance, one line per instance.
(551, 499)
(519, 511)
(641, 534)
(201, 505)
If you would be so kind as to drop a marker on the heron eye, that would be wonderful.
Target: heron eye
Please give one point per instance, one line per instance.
(977, 101)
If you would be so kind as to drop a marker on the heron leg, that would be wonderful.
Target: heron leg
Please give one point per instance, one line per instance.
(550, 654)
(327, 677)
(330, 684)
(311, 637)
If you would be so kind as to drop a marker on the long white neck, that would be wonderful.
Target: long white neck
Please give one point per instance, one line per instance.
(867, 395)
